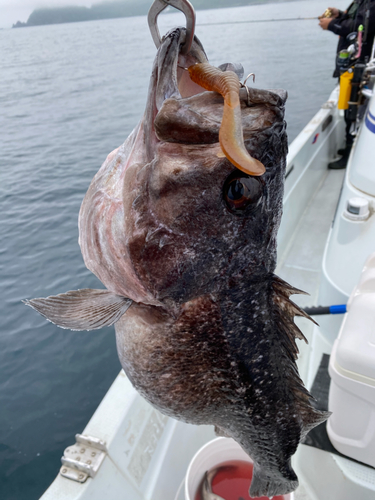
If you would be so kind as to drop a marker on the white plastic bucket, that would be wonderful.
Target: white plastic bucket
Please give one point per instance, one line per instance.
(211, 454)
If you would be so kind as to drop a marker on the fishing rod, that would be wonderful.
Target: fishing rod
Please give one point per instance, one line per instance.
(188, 10)
(261, 21)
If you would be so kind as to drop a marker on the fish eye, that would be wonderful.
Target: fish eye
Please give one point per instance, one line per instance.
(242, 192)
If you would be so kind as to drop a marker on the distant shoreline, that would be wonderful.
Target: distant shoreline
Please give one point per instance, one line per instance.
(115, 10)
(62, 15)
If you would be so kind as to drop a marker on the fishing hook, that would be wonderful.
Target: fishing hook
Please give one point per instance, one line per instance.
(248, 76)
(245, 86)
(185, 7)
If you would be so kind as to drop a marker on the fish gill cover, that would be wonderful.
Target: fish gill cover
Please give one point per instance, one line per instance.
(185, 243)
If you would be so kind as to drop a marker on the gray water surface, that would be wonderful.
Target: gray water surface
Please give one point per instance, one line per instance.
(70, 94)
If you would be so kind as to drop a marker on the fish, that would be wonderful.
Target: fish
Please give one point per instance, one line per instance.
(206, 490)
(181, 228)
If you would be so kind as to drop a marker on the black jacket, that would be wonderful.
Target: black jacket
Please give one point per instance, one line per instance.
(348, 21)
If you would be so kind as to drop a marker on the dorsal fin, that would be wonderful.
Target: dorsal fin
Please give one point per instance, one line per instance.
(85, 309)
(287, 309)
(284, 288)
(284, 311)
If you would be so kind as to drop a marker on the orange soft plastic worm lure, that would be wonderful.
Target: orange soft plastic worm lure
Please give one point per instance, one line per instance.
(231, 140)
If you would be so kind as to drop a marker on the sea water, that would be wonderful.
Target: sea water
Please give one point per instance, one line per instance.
(70, 94)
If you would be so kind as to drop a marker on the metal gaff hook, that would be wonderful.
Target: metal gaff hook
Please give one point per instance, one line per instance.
(182, 5)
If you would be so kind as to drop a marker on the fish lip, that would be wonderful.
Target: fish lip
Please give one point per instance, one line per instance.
(164, 82)
(171, 63)
(176, 39)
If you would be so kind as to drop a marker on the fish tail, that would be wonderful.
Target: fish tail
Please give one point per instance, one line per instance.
(266, 484)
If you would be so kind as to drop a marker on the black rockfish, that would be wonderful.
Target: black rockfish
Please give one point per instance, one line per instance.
(185, 243)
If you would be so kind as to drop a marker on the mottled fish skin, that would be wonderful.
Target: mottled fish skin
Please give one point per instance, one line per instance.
(210, 335)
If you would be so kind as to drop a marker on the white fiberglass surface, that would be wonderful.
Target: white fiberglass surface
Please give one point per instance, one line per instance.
(362, 172)
(301, 263)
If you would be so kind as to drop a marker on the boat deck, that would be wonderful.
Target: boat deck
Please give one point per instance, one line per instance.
(301, 266)
(301, 263)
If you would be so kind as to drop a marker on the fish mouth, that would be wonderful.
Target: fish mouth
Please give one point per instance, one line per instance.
(173, 79)
(169, 78)
(181, 76)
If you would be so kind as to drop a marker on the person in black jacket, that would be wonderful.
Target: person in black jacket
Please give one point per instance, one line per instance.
(342, 24)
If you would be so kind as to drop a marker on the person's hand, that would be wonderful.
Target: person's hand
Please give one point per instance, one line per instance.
(324, 22)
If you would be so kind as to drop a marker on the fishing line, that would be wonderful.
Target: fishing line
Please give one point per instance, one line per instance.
(260, 21)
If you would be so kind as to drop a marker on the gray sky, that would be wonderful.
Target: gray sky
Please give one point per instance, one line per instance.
(12, 11)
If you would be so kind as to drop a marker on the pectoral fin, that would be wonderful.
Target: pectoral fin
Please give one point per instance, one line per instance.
(85, 309)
